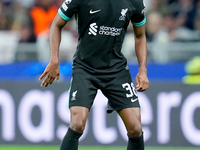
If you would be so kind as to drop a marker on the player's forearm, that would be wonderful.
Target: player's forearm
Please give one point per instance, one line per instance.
(54, 43)
(141, 52)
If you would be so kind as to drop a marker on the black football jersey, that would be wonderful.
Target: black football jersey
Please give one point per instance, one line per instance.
(101, 28)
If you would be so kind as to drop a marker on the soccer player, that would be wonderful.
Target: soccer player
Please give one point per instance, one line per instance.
(99, 64)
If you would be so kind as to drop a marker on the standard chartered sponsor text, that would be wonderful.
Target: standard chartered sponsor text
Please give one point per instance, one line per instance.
(113, 31)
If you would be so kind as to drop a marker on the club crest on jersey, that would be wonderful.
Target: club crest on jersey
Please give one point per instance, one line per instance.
(74, 96)
(123, 14)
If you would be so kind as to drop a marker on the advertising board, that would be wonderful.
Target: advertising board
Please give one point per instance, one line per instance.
(30, 114)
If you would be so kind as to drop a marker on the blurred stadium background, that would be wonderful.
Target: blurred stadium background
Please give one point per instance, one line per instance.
(37, 116)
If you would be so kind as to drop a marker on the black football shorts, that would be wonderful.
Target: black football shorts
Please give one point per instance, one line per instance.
(120, 90)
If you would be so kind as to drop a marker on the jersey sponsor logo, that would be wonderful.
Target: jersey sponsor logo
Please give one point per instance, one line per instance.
(104, 30)
(74, 96)
(93, 12)
(113, 31)
(93, 29)
(123, 14)
(143, 11)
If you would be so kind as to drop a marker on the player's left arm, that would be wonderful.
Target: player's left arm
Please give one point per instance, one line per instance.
(142, 82)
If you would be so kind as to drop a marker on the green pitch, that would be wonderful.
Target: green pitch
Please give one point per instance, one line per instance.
(4, 147)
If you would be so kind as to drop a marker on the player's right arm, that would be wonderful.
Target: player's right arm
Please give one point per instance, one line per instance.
(55, 38)
(65, 12)
(52, 70)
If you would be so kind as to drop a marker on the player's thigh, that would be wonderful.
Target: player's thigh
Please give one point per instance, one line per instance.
(132, 120)
(79, 117)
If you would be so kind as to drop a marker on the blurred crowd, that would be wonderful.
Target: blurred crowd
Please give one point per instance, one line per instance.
(30, 20)
(173, 20)
(30, 17)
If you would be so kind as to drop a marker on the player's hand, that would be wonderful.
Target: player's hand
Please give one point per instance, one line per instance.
(142, 82)
(51, 73)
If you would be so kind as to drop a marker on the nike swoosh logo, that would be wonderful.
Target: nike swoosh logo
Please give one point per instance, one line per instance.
(133, 100)
(93, 12)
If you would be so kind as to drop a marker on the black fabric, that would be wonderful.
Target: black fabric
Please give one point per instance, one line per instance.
(102, 25)
(120, 90)
(70, 141)
(136, 143)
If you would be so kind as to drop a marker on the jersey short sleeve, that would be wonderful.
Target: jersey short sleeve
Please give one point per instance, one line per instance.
(69, 8)
(138, 19)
